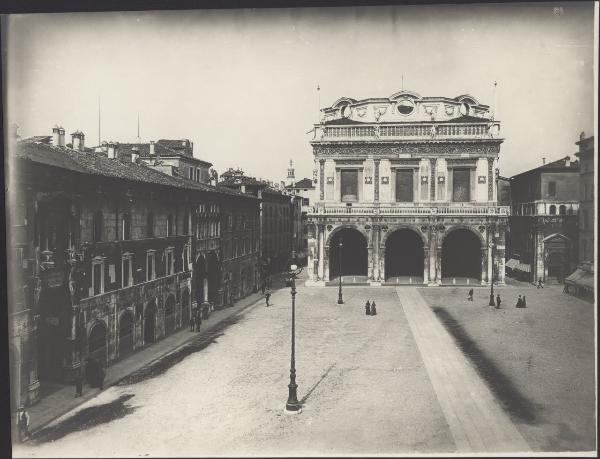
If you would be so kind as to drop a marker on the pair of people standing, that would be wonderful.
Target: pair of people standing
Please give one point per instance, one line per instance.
(521, 302)
(267, 296)
(370, 308)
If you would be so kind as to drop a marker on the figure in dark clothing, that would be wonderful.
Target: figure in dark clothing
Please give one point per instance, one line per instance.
(373, 309)
(368, 308)
(524, 303)
(101, 374)
(519, 302)
(23, 423)
(498, 301)
(267, 296)
(470, 297)
(565, 288)
(192, 321)
(540, 285)
(197, 319)
(205, 310)
(78, 384)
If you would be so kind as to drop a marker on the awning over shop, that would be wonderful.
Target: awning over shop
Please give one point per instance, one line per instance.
(512, 263)
(581, 278)
(524, 267)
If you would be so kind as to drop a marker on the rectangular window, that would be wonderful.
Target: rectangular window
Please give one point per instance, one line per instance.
(404, 185)
(150, 265)
(191, 171)
(126, 271)
(349, 185)
(97, 276)
(169, 262)
(461, 185)
(551, 188)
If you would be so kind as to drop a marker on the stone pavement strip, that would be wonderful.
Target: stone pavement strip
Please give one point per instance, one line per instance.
(476, 420)
(63, 400)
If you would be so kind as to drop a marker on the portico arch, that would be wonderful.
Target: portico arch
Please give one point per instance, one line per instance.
(462, 254)
(352, 258)
(404, 254)
(97, 348)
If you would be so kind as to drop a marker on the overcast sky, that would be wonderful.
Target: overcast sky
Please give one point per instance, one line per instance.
(241, 84)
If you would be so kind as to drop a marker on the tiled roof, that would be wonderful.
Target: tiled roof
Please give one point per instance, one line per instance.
(304, 183)
(240, 180)
(558, 165)
(98, 164)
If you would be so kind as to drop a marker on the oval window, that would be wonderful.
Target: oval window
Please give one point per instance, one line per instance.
(346, 111)
(464, 108)
(406, 107)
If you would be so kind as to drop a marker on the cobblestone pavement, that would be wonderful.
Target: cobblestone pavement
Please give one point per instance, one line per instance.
(539, 361)
(361, 380)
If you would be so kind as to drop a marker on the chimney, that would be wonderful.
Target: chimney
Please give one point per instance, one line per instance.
(582, 135)
(56, 136)
(77, 139)
(152, 148)
(112, 149)
(567, 161)
(543, 161)
(134, 154)
(61, 136)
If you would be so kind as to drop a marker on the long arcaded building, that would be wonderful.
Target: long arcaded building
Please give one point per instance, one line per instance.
(406, 192)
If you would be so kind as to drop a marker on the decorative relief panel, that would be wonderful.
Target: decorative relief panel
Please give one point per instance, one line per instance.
(363, 150)
(481, 179)
(491, 179)
(433, 168)
(385, 180)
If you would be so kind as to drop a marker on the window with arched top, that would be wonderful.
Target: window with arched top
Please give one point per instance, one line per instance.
(552, 210)
(150, 225)
(97, 226)
(562, 210)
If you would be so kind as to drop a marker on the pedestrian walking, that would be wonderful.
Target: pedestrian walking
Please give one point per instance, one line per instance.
(205, 310)
(192, 321)
(197, 320)
(267, 296)
(498, 301)
(519, 302)
(368, 308)
(373, 309)
(524, 303)
(540, 285)
(565, 288)
(78, 384)
(23, 423)
(470, 297)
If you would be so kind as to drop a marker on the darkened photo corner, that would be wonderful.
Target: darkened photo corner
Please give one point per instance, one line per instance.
(301, 231)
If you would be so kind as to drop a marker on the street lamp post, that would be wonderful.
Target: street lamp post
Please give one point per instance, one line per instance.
(293, 405)
(340, 299)
(492, 302)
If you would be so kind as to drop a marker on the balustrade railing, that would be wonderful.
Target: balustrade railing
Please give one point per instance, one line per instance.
(425, 130)
(409, 210)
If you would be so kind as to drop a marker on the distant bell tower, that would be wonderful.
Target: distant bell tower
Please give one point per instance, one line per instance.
(291, 178)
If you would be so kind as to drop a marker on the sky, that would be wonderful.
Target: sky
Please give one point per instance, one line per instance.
(242, 84)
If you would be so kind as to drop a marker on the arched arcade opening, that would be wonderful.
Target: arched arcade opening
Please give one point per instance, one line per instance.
(125, 334)
(404, 256)
(461, 256)
(351, 258)
(150, 323)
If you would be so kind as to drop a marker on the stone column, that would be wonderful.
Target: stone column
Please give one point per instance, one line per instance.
(376, 249)
(376, 181)
(425, 265)
(325, 261)
(538, 267)
(205, 290)
(501, 255)
(320, 272)
(437, 262)
(484, 264)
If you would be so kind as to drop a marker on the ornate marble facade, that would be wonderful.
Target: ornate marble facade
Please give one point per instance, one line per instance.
(406, 181)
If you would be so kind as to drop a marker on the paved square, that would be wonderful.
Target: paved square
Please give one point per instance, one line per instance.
(361, 378)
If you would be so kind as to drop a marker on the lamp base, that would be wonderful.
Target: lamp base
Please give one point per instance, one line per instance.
(289, 412)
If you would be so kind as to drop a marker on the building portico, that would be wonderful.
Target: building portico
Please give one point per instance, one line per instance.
(408, 184)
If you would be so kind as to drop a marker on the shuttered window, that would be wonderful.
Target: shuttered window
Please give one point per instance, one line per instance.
(404, 185)
(349, 185)
(461, 185)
